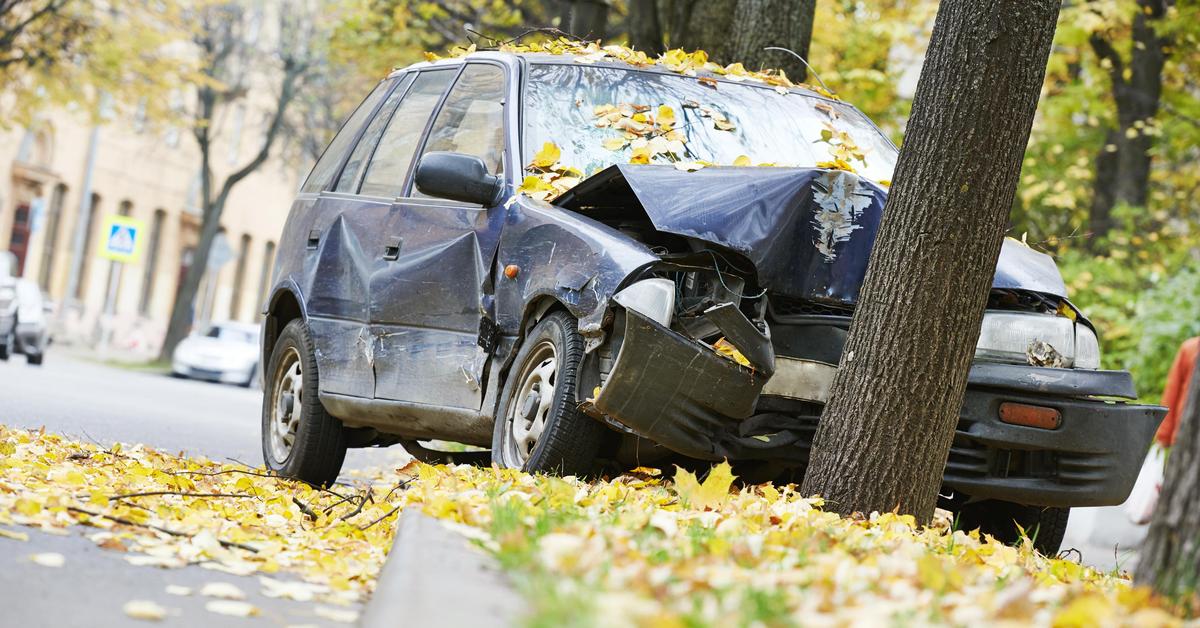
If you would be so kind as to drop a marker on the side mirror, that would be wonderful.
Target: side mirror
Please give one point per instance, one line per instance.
(458, 177)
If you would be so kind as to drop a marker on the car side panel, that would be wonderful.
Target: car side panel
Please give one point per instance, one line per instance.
(559, 254)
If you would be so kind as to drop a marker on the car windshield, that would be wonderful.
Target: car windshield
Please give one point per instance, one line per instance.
(231, 334)
(587, 112)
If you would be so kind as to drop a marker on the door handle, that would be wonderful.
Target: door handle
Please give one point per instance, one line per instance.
(391, 252)
(314, 238)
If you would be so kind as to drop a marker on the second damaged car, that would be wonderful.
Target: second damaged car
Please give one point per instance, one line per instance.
(591, 257)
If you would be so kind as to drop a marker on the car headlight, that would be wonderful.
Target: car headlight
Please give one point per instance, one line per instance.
(1008, 336)
(653, 298)
(1087, 348)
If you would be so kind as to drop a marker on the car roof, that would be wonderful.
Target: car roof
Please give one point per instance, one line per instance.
(234, 325)
(569, 59)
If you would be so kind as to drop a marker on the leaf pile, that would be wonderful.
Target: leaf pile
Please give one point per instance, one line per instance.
(677, 61)
(168, 511)
(641, 551)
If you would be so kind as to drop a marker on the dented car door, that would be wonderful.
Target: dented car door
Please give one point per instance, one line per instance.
(428, 300)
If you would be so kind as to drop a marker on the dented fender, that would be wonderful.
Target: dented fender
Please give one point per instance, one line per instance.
(559, 254)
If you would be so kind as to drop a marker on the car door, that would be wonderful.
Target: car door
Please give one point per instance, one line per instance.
(427, 304)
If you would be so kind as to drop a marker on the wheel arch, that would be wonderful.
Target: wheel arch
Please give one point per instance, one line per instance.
(284, 306)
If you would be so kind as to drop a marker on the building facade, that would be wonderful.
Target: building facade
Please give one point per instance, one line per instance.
(150, 174)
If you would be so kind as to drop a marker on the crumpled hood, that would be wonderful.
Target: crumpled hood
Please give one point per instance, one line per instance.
(808, 231)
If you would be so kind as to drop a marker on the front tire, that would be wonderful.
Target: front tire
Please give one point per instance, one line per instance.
(34, 358)
(539, 427)
(299, 438)
(1045, 525)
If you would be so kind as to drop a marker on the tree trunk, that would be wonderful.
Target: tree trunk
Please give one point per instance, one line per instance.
(645, 29)
(1170, 557)
(733, 31)
(1104, 190)
(584, 18)
(1124, 177)
(885, 435)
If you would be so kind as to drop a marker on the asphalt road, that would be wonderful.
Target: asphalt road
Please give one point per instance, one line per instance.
(94, 401)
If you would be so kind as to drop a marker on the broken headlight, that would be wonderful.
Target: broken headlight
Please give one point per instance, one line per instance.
(653, 298)
(1037, 339)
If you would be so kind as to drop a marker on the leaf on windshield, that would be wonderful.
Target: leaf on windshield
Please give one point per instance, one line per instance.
(547, 157)
(742, 160)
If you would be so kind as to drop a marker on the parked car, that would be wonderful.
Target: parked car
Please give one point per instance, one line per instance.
(8, 302)
(650, 312)
(222, 352)
(31, 329)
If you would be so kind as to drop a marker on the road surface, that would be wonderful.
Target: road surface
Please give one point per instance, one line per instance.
(89, 401)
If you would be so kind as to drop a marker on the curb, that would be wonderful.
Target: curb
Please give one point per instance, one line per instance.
(434, 576)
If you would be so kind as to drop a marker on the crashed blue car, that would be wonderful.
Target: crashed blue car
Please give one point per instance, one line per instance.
(581, 264)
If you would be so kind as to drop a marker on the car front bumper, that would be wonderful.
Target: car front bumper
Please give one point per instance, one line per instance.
(682, 395)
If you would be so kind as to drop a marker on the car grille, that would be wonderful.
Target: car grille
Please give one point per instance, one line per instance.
(783, 307)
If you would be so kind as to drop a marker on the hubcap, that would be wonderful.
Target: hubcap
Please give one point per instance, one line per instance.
(529, 407)
(286, 405)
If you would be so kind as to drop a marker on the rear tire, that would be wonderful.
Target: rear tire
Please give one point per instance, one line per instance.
(1045, 525)
(299, 438)
(4, 348)
(34, 358)
(539, 427)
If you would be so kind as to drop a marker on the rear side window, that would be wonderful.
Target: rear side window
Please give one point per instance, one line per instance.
(472, 120)
(328, 164)
(389, 165)
(349, 179)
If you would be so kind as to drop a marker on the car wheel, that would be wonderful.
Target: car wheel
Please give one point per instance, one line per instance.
(250, 379)
(1045, 525)
(300, 440)
(4, 348)
(34, 358)
(538, 427)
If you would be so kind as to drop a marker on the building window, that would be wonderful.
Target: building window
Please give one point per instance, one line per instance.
(85, 256)
(50, 247)
(264, 278)
(239, 278)
(160, 217)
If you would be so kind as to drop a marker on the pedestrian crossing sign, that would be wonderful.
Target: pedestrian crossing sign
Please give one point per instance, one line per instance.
(122, 239)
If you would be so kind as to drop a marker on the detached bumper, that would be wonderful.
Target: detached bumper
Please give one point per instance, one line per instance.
(675, 391)
(1091, 459)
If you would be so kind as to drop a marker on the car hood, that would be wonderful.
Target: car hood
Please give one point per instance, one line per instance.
(808, 231)
(214, 349)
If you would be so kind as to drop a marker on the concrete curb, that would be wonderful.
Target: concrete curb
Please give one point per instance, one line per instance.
(434, 576)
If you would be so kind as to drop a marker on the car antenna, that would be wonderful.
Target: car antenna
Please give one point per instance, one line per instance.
(810, 68)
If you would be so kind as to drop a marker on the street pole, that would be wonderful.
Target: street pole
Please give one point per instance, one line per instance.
(108, 318)
(83, 223)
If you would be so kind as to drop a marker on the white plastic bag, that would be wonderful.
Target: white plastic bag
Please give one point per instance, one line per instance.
(1142, 501)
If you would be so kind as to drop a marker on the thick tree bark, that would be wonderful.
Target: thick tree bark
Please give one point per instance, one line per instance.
(885, 435)
(1137, 93)
(732, 31)
(1170, 556)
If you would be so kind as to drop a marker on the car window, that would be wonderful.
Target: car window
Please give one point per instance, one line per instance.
(472, 120)
(328, 164)
(231, 334)
(388, 167)
(366, 144)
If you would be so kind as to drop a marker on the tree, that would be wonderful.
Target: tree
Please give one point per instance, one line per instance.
(1123, 164)
(885, 434)
(1170, 555)
(34, 33)
(738, 31)
(234, 66)
(68, 52)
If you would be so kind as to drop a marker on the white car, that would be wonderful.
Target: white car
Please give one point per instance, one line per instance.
(31, 332)
(8, 302)
(225, 352)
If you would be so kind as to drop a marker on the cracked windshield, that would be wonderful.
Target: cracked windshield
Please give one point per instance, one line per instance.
(600, 116)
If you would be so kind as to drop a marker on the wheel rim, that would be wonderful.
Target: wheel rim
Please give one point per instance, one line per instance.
(530, 404)
(287, 393)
